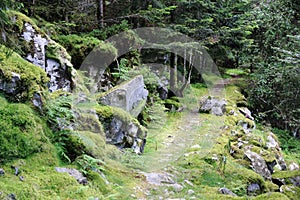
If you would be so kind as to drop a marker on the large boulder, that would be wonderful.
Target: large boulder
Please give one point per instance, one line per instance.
(19, 79)
(121, 129)
(130, 96)
(258, 164)
(42, 51)
(213, 105)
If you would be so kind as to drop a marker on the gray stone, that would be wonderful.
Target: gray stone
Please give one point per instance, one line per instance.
(22, 178)
(271, 142)
(38, 56)
(293, 166)
(280, 161)
(159, 178)
(2, 172)
(227, 192)
(212, 105)
(296, 181)
(254, 189)
(13, 86)
(190, 192)
(258, 164)
(126, 135)
(127, 96)
(74, 173)
(37, 101)
(11, 197)
(58, 76)
(177, 187)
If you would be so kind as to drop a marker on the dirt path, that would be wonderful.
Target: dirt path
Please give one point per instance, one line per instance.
(173, 143)
(192, 133)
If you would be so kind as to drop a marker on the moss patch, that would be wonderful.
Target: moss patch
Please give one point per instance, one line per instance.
(22, 133)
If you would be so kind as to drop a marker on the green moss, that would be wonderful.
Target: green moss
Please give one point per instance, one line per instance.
(271, 195)
(108, 112)
(235, 72)
(233, 93)
(271, 187)
(33, 78)
(57, 52)
(169, 103)
(286, 174)
(21, 19)
(80, 46)
(292, 192)
(96, 146)
(22, 133)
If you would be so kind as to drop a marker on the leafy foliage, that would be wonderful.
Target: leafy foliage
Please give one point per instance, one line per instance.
(275, 88)
(87, 163)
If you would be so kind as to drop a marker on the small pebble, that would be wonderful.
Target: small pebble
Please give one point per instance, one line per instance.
(22, 178)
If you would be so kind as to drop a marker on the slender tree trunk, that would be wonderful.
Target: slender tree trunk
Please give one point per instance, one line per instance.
(184, 67)
(101, 13)
(173, 72)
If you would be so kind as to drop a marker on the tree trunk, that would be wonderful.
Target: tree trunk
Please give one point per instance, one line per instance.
(101, 13)
(173, 72)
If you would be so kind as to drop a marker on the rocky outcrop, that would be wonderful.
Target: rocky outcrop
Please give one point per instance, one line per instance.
(254, 189)
(130, 96)
(40, 50)
(74, 173)
(121, 129)
(50, 56)
(213, 105)
(258, 164)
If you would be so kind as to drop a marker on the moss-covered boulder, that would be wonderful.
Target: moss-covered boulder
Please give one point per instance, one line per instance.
(19, 79)
(121, 129)
(130, 96)
(42, 51)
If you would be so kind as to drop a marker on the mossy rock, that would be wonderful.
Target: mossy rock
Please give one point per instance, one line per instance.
(172, 104)
(271, 187)
(32, 78)
(286, 174)
(108, 112)
(20, 19)
(96, 146)
(22, 132)
(292, 192)
(271, 195)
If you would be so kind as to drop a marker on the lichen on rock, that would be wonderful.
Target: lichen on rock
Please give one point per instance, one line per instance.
(42, 51)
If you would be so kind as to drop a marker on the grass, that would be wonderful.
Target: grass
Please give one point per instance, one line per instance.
(235, 72)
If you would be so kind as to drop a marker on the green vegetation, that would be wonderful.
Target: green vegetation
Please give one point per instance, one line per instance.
(255, 45)
(80, 46)
(22, 132)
